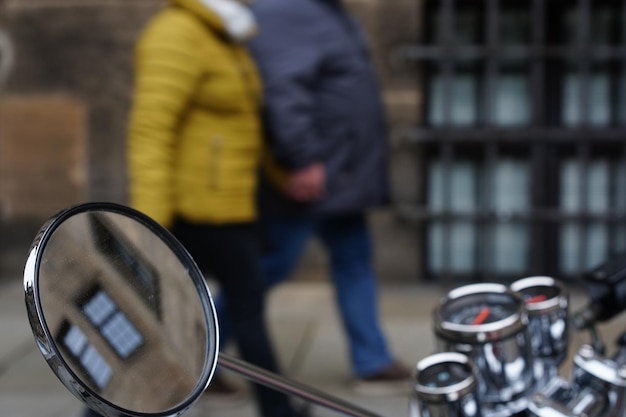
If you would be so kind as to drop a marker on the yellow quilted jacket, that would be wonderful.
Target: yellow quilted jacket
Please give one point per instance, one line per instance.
(194, 139)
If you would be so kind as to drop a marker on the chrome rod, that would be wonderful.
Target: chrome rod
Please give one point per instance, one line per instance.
(288, 386)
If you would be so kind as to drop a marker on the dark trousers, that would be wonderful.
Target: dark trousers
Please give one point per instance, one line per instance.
(230, 254)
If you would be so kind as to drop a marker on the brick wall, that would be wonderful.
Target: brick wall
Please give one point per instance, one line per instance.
(82, 50)
(42, 154)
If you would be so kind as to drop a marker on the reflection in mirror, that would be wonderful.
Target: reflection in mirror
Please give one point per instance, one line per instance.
(116, 311)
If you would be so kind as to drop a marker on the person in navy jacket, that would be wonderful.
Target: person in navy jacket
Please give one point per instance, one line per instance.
(327, 164)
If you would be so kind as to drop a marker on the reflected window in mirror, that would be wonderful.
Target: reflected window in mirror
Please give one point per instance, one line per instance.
(112, 324)
(92, 362)
(129, 261)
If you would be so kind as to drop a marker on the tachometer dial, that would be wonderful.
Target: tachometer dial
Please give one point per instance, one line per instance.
(445, 385)
(489, 323)
(475, 313)
(547, 304)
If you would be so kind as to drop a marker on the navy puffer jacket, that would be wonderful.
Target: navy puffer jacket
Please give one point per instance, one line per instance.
(322, 104)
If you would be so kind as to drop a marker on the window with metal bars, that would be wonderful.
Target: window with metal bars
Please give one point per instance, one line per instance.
(523, 137)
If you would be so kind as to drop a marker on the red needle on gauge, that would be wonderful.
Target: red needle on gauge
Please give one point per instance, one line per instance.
(536, 299)
(482, 316)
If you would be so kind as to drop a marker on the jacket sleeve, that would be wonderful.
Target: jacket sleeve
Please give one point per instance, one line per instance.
(288, 59)
(167, 69)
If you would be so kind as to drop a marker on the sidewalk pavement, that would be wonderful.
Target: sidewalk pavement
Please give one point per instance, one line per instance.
(308, 340)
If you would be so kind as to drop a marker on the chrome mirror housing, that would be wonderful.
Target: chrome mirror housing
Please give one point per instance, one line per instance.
(120, 312)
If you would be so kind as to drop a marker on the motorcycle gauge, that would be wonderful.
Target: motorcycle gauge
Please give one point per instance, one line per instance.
(547, 304)
(489, 323)
(445, 385)
(479, 313)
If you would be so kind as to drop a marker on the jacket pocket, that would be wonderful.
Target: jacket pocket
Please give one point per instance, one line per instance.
(215, 154)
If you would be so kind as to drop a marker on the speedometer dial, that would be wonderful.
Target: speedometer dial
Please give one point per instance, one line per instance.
(475, 313)
(489, 323)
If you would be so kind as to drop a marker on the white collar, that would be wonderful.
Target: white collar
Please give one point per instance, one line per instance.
(238, 20)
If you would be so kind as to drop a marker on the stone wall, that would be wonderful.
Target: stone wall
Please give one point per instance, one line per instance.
(81, 50)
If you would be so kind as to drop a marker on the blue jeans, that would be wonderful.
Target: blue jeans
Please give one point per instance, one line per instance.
(347, 240)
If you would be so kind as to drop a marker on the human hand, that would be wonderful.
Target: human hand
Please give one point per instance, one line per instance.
(307, 184)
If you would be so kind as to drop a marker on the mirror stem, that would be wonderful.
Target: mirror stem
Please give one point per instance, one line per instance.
(288, 386)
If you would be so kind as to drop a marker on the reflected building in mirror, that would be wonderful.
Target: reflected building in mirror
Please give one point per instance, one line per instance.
(122, 328)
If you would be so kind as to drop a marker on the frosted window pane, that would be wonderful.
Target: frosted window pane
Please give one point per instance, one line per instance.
(598, 183)
(598, 201)
(570, 187)
(435, 186)
(597, 245)
(599, 105)
(596, 237)
(621, 100)
(570, 101)
(463, 243)
(619, 238)
(512, 101)
(510, 248)
(462, 246)
(463, 108)
(600, 100)
(511, 194)
(462, 186)
(620, 186)
(570, 250)
(511, 186)
(435, 247)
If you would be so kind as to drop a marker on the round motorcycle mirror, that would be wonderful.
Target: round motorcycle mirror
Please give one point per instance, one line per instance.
(120, 312)
(123, 316)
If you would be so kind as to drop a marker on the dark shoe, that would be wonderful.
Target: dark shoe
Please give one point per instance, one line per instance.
(221, 392)
(392, 380)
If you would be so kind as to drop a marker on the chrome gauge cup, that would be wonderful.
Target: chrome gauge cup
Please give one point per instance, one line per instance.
(600, 383)
(597, 389)
(489, 323)
(553, 400)
(547, 303)
(445, 386)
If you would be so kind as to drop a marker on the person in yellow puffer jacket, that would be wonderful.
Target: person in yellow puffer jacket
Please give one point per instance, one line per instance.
(194, 145)
(195, 134)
